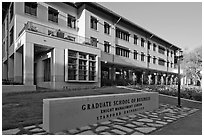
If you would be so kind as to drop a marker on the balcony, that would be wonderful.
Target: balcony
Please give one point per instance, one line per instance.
(54, 32)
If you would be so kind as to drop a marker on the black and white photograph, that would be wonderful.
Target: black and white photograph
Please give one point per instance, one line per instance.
(101, 68)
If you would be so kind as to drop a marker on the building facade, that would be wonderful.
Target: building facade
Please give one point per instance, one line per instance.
(70, 45)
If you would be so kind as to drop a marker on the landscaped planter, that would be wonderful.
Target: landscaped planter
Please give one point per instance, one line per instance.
(17, 88)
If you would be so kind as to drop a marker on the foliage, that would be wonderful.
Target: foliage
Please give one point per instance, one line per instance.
(192, 64)
(188, 92)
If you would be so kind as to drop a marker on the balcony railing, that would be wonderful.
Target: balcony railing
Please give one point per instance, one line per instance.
(53, 32)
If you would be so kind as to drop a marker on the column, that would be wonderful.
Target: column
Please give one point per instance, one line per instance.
(167, 79)
(18, 75)
(57, 67)
(149, 79)
(130, 75)
(10, 68)
(109, 73)
(5, 70)
(113, 73)
(28, 64)
(156, 79)
(142, 78)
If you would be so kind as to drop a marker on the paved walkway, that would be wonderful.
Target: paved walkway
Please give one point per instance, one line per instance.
(137, 124)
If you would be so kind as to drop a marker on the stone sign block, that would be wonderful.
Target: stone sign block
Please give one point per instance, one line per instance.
(72, 112)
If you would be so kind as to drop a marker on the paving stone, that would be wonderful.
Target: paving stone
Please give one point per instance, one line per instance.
(123, 128)
(132, 116)
(105, 133)
(154, 125)
(125, 118)
(118, 132)
(137, 133)
(145, 120)
(29, 127)
(85, 128)
(145, 129)
(36, 130)
(161, 122)
(95, 125)
(105, 123)
(169, 120)
(89, 132)
(130, 125)
(73, 131)
(10, 132)
(138, 123)
(101, 128)
(154, 114)
(118, 120)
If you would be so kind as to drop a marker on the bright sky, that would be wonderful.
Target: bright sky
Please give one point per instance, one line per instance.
(179, 23)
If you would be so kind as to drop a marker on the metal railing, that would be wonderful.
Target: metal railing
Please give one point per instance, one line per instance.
(35, 27)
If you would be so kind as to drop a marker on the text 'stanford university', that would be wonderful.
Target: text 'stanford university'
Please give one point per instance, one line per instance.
(64, 45)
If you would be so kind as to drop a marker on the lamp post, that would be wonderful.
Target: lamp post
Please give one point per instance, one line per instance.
(179, 56)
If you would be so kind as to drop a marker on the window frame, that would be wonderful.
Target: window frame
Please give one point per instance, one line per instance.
(142, 56)
(30, 6)
(106, 28)
(93, 41)
(71, 21)
(93, 23)
(53, 16)
(106, 47)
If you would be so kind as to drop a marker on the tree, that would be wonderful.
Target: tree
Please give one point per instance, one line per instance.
(192, 64)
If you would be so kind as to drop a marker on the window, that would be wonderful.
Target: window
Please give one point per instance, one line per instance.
(171, 53)
(148, 58)
(122, 34)
(31, 8)
(11, 36)
(167, 64)
(106, 28)
(71, 21)
(135, 54)
(11, 12)
(92, 69)
(82, 69)
(47, 70)
(161, 62)
(161, 50)
(81, 66)
(154, 47)
(171, 65)
(135, 39)
(167, 53)
(148, 45)
(94, 23)
(53, 15)
(72, 65)
(154, 60)
(122, 51)
(93, 41)
(142, 42)
(106, 47)
(142, 56)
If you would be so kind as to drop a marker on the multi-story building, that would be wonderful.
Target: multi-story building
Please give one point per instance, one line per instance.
(62, 45)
